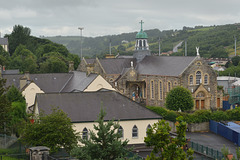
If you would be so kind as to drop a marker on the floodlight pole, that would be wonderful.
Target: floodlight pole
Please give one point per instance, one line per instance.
(159, 47)
(235, 45)
(81, 28)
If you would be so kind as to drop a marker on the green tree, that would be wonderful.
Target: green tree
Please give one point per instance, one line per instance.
(165, 146)
(19, 35)
(14, 95)
(54, 131)
(53, 65)
(24, 60)
(5, 107)
(235, 60)
(179, 98)
(18, 109)
(105, 143)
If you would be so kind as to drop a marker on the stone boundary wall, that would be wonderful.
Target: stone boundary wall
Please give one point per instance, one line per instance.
(195, 127)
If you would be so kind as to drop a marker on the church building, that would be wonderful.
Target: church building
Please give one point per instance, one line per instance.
(147, 79)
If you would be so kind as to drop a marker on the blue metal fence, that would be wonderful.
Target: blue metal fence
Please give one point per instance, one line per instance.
(225, 131)
(226, 105)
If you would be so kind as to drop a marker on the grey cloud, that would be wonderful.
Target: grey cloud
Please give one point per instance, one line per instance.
(105, 17)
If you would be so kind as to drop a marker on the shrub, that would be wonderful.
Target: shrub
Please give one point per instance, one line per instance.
(159, 110)
(234, 114)
(171, 116)
(179, 98)
(200, 116)
(220, 116)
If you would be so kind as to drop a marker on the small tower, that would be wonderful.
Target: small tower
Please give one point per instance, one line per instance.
(141, 40)
(141, 46)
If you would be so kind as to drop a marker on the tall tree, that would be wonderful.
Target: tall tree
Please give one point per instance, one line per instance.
(5, 108)
(179, 98)
(19, 35)
(164, 145)
(14, 95)
(54, 131)
(104, 142)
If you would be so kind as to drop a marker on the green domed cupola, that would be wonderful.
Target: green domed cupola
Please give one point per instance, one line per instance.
(141, 34)
(141, 40)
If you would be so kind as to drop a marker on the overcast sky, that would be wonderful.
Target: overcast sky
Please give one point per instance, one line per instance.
(107, 17)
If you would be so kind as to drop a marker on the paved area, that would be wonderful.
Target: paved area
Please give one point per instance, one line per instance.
(212, 140)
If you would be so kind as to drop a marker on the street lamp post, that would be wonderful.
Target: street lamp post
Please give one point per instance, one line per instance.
(81, 28)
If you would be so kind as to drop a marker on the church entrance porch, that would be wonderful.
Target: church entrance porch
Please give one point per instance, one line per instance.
(136, 90)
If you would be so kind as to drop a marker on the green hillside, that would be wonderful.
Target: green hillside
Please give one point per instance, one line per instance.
(214, 41)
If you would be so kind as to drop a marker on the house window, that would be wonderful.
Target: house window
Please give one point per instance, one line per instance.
(152, 89)
(206, 79)
(169, 86)
(160, 90)
(148, 127)
(198, 77)
(85, 133)
(134, 132)
(175, 83)
(120, 131)
(191, 79)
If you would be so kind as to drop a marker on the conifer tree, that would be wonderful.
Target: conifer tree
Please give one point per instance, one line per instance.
(104, 142)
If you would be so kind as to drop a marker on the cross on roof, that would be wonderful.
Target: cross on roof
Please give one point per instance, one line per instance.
(141, 24)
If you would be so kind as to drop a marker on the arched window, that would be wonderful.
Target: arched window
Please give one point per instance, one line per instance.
(120, 131)
(85, 133)
(169, 86)
(152, 89)
(160, 90)
(148, 127)
(134, 132)
(144, 43)
(198, 77)
(140, 43)
(191, 79)
(205, 79)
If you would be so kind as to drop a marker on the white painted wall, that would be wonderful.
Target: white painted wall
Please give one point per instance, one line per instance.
(5, 47)
(99, 83)
(30, 92)
(127, 129)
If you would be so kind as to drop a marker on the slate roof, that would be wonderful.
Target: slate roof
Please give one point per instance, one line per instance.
(164, 65)
(85, 106)
(91, 61)
(11, 71)
(79, 82)
(12, 79)
(116, 65)
(3, 41)
(49, 82)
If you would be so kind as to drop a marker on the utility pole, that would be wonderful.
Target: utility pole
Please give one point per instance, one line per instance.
(159, 47)
(185, 47)
(81, 28)
(110, 47)
(235, 45)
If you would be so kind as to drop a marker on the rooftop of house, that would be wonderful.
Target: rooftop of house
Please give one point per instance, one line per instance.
(164, 65)
(86, 106)
(54, 82)
(3, 41)
(116, 65)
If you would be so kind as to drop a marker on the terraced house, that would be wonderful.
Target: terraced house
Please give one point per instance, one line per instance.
(147, 78)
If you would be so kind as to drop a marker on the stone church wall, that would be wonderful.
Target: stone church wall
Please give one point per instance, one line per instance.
(211, 86)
